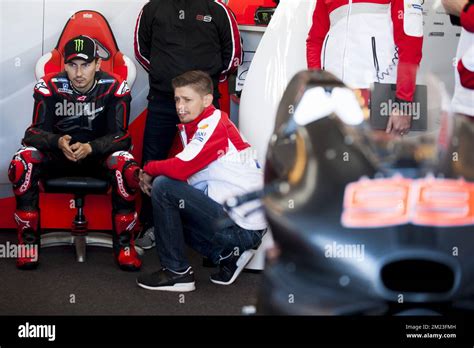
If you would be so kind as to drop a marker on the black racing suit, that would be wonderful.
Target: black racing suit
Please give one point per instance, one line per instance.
(99, 117)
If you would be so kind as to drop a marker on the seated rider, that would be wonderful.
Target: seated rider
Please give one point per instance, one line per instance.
(79, 128)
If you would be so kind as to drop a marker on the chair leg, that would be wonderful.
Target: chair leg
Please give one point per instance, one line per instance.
(80, 243)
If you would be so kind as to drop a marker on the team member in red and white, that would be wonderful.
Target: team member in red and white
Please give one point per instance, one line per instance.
(463, 100)
(80, 121)
(172, 37)
(366, 41)
(189, 190)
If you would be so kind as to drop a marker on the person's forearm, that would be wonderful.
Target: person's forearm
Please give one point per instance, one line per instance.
(40, 139)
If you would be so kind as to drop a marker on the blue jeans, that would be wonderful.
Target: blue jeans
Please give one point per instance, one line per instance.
(185, 215)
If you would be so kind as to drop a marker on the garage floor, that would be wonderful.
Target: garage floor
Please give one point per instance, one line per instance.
(61, 286)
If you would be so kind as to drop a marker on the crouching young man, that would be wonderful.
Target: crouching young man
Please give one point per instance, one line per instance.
(190, 188)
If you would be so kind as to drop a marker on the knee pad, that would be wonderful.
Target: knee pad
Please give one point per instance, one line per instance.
(126, 172)
(21, 168)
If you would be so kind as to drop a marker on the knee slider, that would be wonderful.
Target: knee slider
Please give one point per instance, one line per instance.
(21, 168)
(126, 172)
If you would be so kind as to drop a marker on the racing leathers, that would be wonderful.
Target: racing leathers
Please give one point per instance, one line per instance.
(366, 41)
(99, 117)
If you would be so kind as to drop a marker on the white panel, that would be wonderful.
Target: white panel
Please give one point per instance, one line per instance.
(21, 28)
(280, 55)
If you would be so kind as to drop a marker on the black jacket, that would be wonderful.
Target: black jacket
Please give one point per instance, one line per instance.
(99, 116)
(175, 36)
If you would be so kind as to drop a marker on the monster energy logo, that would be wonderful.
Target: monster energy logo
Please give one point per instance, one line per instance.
(79, 44)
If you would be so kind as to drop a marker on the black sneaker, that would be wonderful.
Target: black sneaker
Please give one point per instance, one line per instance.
(231, 267)
(167, 280)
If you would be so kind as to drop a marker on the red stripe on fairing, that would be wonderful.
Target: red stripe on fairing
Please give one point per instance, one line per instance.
(136, 45)
(236, 45)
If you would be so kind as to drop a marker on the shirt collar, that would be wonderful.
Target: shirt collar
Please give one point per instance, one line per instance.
(205, 113)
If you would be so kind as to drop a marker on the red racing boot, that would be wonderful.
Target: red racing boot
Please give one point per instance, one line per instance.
(125, 254)
(28, 239)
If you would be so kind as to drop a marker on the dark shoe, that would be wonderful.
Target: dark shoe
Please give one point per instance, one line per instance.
(167, 280)
(207, 262)
(231, 267)
(147, 240)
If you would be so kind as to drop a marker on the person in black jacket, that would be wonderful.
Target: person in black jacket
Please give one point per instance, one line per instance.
(172, 37)
(79, 128)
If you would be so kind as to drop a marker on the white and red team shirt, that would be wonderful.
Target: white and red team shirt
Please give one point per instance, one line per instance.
(366, 41)
(463, 100)
(218, 161)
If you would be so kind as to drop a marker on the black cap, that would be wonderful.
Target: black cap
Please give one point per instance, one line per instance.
(80, 47)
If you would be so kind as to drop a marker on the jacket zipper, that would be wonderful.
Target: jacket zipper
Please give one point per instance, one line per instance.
(324, 51)
(182, 136)
(376, 60)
